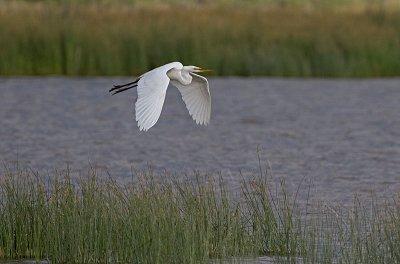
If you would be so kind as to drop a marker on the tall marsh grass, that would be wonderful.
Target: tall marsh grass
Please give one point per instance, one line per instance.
(120, 38)
(92, 219)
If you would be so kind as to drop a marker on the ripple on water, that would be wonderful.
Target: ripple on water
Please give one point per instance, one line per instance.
(344, 135)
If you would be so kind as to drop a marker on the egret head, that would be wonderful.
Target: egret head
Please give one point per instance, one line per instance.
(195, 69)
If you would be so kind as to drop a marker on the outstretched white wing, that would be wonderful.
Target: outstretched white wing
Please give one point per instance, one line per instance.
(151, 90)
(197, 98)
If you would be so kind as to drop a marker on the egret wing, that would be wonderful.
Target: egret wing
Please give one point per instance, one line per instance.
(197, 98)
(151, 90)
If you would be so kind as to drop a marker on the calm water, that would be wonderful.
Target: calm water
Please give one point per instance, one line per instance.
(343, 135)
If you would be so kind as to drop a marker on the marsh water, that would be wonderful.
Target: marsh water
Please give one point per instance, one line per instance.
(343, 136)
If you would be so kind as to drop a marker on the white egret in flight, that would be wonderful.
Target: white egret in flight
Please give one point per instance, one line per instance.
(152, 87)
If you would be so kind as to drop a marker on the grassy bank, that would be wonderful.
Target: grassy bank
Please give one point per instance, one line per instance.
(127, 38)
(91, 220)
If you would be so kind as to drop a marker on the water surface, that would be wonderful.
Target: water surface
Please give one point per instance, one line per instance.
(343, 135)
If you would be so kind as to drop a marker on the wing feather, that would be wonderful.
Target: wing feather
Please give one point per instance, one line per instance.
(151, 89)
(197, 98)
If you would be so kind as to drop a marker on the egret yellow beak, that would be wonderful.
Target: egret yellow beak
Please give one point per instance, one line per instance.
(203, 70)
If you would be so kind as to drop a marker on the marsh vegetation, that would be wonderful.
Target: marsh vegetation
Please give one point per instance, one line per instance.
(278, 38)
(91, 219)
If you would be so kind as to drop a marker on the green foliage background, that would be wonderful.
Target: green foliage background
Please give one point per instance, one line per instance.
(273, 38)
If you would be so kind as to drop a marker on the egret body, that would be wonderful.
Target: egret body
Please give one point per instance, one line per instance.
(152, 87)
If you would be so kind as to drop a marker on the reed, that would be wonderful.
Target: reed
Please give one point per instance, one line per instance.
(64, 218)
(130, 37)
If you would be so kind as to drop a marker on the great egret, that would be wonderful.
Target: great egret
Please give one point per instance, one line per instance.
(152, 87)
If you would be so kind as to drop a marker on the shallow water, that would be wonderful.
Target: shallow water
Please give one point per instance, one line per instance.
(343, 135)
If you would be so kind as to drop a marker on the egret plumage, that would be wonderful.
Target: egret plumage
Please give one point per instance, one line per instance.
(152, 87)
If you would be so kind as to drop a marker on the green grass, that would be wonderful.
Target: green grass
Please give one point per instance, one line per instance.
(94, 219)
(232, 38)
(89, 220)
(300, 3)
(367, 232)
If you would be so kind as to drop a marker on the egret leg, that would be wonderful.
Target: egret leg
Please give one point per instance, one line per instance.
(122, 89)
(123, 85)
